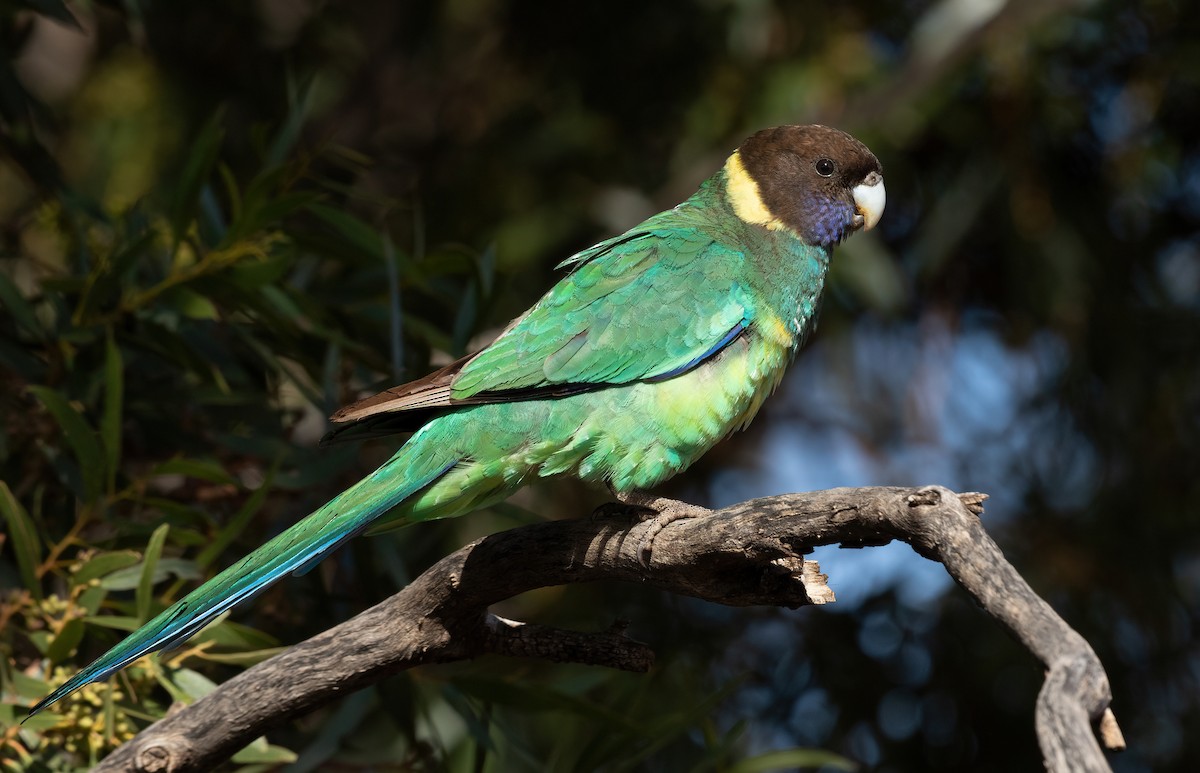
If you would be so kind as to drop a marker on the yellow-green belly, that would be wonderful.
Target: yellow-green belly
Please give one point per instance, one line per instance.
(631, 437)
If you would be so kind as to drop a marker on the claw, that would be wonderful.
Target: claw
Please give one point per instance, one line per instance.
(659, 522)
(659, 511)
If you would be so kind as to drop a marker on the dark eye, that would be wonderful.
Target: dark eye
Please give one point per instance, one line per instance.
(825, 167)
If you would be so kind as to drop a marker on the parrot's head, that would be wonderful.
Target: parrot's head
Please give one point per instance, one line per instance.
(819, 183)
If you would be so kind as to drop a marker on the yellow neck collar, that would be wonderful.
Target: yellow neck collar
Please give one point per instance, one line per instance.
(744, 196)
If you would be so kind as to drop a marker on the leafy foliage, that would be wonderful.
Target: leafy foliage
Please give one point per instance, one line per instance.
(197, 263)
(160, 345)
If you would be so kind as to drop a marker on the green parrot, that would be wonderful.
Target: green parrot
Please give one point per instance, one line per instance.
(658, 343)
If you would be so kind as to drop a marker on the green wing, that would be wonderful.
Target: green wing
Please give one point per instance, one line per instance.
(647, 305)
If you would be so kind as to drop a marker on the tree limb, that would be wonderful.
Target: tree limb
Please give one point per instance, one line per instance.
(747, 554)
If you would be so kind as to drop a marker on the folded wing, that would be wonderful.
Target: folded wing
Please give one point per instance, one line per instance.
(647, 305)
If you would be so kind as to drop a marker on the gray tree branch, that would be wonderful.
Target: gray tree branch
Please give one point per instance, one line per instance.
(747, 554)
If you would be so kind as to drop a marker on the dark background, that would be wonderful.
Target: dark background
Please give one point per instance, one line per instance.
(236, 216)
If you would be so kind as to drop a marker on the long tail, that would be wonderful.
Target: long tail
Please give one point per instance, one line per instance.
(296, 550)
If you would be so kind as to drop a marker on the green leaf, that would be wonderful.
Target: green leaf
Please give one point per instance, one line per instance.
(792, 759)
(200, 161)
(232, 192)
(193, 684)
(44, 721)
(131, 577)
(270, 211)
(175, 512)
(110, 713)
(91, 599)
(81, 437)
(116, 622)
(251, 275)
(189, 303)
(24, 537)
(177, 693)
(40, 640)
(194, 468)
(236, 636)
(300, 97)
(360, 235)
(282, 302)
(26, 686)
(265, 753)
(245, 659)
(114, 392)
(149, 565)
(102, 565)
(66, 641)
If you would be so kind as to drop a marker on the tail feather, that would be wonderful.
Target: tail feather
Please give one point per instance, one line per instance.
(294, 551)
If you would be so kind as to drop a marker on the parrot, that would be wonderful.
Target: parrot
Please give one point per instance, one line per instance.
(654, 345)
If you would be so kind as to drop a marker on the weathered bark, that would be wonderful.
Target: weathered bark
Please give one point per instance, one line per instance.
(747, 554)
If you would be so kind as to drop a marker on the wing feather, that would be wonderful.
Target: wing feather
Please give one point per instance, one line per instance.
(648, 305)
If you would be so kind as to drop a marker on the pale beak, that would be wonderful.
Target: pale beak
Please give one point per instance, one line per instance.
(869, 198)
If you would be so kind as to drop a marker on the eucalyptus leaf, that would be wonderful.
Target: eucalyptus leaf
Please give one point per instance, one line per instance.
(248, 658)
(266, 754)
(193, 684)
(24, 537)
(237, 637)
(360, 235)
(163, 568)
(26, 686)
(65, 642)
(196, 171)
(194, 468)
(91, 599)
(146, 581)
(82, 438)
(115, 622)
(104, 564)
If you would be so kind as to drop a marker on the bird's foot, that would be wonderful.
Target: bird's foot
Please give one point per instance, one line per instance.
(661, 512)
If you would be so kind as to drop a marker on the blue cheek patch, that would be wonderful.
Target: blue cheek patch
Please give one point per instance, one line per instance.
(829, 219)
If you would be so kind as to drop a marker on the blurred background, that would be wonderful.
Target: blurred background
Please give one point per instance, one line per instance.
(221, 220)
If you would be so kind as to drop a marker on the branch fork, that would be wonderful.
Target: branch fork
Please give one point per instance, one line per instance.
(751, 553)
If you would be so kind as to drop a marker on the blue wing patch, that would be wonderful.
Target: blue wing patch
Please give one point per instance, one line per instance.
(728, 338)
